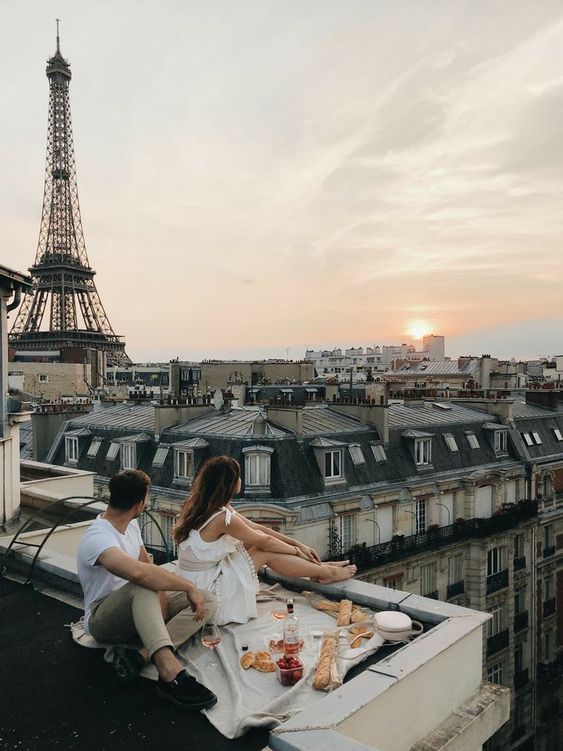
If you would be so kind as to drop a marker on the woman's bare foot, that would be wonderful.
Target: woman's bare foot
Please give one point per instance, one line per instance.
(336, 573)
(336, 563)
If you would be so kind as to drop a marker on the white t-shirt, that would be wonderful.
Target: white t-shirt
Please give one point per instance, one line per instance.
(97, 582)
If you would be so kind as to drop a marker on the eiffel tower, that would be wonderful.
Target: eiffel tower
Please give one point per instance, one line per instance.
(63, 309)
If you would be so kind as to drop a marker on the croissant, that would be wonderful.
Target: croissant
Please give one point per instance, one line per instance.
(322, 674)
(344, 613)
(247, 660)
(264, 666)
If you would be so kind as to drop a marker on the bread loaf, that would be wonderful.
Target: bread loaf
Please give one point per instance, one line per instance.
(344, 613)
(323, 672)
(265, 666)
(358, 616)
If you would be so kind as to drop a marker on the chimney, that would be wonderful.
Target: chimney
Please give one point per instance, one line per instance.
(371, 414)
(287, 417)
(166, 415)
(544, 398)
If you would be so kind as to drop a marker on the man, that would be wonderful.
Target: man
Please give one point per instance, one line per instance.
(126, 596)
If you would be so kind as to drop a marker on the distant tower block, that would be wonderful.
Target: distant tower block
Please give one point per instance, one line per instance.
(64, 308)
(435, 346)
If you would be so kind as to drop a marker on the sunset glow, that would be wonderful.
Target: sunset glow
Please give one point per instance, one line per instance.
(418, 329)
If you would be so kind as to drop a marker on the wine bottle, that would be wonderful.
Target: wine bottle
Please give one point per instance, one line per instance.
(290, 631)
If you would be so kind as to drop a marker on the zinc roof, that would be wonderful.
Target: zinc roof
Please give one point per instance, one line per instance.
(123, 416)
(409, 416)
(436, 367)
(322, 419)
(237, 422)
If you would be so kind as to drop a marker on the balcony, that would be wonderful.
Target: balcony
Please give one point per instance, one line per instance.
(497, 642)
(520, 563)
(520, 621)
(520, 679)
(432, 595)
(497, 581)
(456, 589)
(548, 671)
(549, 551)
(406, 546)
(549, 607)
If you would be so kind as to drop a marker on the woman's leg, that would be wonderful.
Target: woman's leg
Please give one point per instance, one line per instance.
(292, 565)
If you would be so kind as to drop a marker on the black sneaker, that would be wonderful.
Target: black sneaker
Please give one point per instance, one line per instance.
(186, 692)
(127, 664)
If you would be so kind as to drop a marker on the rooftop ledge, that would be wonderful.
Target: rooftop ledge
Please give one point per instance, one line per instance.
(435, 680)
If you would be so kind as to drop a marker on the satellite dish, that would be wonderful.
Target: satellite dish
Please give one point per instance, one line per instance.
(218, 399)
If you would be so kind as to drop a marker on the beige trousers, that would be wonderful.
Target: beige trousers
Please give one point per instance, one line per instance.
(133, 611)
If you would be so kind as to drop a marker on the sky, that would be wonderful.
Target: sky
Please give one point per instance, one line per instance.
(264, 176)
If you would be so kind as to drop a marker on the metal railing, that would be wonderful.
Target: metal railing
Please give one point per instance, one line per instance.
(520, 563)
(497, 581)
(520, 621)
(497, 642)
(550, 550)
(404, 546)
(455, 589)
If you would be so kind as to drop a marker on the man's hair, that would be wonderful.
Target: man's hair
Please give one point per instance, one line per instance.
(127, 488)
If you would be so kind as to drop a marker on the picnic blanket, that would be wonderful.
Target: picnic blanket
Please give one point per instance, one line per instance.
(248, 698)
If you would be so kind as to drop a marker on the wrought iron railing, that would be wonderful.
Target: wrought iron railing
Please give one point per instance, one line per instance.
(520, 621)
(404, 546)
(456, 589)
(497, 642)
(497, 581)
(520, 679)
(520, 563)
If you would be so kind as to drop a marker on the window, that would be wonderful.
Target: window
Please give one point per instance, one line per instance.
(519, 601)
(548, 588)
(537, 438)
(128, 456)
(423, 451)
(113, 451)
(518, 658)
(356, 454)
(451, 442)
(496, 625)
(494, 673)
(94, 448)
(332, 464)
(379, 453)
(71, 449)
(346, 532)
(548, 536)
(528, 439)
(495, 561)
(42, 378)
(549, 648)
(455, 563)
(160, 456)
(472, 439)
(257, 470)
(420, 515)
(519, 545)
(557, 434)
(500, 441)
(183, 464)
(428, 579)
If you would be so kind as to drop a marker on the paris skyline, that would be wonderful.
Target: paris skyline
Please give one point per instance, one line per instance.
(286, 178)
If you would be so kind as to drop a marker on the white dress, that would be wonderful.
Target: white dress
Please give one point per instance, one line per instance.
(223, 567)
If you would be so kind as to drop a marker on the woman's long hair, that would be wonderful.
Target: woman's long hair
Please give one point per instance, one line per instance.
(213, 487)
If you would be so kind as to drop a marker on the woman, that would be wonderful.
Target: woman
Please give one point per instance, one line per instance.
(221, 551)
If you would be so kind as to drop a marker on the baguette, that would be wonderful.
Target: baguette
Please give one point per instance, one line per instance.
(358, 616)
(323, 672)
(344, 613)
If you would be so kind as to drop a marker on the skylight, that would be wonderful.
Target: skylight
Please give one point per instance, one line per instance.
(472, 440)
(537, 438)
(356, 454)
(557, 433)
(379, 453)
(528, 439)
(451, 442)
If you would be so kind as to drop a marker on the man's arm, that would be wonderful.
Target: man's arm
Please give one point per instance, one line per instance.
(151, 577)
(144, 557)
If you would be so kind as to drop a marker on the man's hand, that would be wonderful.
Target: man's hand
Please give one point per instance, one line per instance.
(197, 603)
(310, 553)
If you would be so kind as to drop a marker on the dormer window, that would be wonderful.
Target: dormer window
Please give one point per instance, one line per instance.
(183, 464)
(257, 468)
(71, 449)
(451, 442)
(333, 464)
(356, 454)
(129, 456)
(500, 441)
(423, 451)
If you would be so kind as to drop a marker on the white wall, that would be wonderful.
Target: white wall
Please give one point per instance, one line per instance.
(484, 502)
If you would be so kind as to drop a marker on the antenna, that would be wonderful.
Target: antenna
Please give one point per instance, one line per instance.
(58, 40)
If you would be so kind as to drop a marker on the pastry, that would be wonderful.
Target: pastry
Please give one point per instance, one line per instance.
(344, 613)
(358, 616)
(247, 660)
(322, 674)
(356, 641)
(265, 666)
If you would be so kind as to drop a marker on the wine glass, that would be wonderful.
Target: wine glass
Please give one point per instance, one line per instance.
(210, 637)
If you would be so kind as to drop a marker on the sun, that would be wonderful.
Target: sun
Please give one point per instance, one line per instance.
(418, 329)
